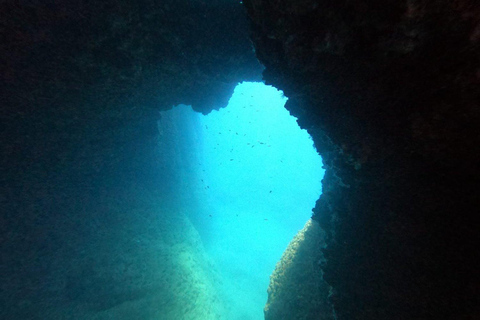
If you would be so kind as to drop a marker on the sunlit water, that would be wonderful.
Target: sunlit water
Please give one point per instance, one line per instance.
(258, 176)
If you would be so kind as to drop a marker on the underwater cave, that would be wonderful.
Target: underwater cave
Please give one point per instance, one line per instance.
(237, 160)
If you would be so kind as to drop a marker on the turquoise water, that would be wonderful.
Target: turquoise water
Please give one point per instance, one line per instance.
(197, 242)
(258, 177)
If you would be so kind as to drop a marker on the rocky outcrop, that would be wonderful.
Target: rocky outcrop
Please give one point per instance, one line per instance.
(297, 289)
(390, 93)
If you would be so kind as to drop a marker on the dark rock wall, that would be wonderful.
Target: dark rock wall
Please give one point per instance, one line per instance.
(390, 92)
(81, 87)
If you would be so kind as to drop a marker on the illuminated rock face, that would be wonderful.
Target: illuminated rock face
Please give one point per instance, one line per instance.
(389, 93)
(297, 289)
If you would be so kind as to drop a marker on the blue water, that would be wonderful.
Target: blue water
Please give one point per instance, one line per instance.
(259, 177)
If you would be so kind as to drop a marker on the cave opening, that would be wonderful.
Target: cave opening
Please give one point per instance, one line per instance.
(248, 177)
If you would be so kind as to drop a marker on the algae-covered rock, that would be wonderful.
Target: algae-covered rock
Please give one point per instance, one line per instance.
(296, 284)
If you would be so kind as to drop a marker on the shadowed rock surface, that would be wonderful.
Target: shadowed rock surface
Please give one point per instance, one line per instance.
(89, 218)
(389, 91)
